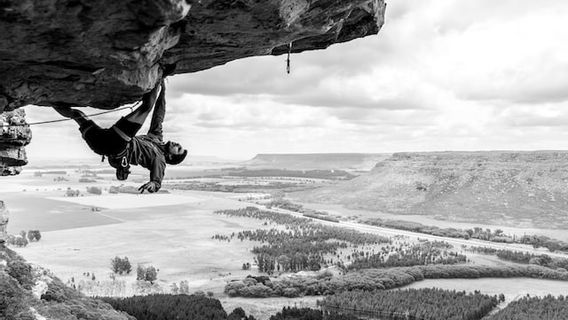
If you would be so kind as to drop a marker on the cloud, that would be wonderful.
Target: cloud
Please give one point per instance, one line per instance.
(441, 75)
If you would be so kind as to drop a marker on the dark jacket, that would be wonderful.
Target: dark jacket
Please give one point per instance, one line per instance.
(148, 150)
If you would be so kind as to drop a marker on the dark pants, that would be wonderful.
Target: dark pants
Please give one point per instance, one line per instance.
(111, 141)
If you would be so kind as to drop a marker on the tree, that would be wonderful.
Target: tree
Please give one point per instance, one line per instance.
(34, 235)
(121, 265)
(149, 274)
(175, 288)
(183, 287)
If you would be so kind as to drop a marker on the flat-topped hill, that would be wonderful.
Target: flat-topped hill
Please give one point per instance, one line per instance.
(313, 161)
(512, 188)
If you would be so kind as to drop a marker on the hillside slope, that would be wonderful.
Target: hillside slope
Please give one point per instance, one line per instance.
(29, 293)
(511, 188)
(317, 161)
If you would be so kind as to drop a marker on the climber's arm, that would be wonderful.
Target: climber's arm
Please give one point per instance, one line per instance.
(159, 114)
(157, 170)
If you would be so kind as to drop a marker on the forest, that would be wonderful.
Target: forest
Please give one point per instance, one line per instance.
(303, 245)
(529, 308)
(407, 255)
(181, 306)
(293, 313)
(422, 304)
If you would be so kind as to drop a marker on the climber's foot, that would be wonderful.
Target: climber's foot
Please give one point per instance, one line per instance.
(68, 112)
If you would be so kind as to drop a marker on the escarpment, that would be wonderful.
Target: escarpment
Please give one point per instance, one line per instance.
(526, 189)
(107, 53)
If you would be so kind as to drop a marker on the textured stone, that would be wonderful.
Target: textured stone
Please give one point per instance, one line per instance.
(4, 215)
(15, 133)
(107, 53)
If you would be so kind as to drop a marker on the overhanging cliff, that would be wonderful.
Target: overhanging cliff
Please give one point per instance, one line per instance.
(107, 53)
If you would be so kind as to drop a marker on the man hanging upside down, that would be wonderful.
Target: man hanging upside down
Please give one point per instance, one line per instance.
(123, 147)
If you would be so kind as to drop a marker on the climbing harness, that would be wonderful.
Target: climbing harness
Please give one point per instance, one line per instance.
(288, 59)
(67, 119)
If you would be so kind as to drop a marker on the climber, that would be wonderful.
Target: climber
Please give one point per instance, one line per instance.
(123, 147)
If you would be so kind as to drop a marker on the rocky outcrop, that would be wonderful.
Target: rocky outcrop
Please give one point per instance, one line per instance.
(28, 292)
(509, 188)
(4, 216)
(107, 53)
(15, 133)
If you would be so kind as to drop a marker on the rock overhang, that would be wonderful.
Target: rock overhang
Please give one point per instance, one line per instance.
(108, 53)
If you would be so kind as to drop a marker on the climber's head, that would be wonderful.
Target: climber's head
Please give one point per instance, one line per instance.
(175, 153)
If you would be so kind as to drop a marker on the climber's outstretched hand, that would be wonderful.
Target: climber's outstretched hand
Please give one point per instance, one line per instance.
(150, 187)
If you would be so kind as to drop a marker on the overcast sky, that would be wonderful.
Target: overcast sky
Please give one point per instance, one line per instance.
(441, 75)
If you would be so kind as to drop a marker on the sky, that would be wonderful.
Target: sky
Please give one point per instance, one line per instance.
(440, 75)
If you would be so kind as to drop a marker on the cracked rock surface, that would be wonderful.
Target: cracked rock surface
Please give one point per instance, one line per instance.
(106, 53)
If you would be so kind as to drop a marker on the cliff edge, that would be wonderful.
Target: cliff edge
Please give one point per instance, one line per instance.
(510, 188)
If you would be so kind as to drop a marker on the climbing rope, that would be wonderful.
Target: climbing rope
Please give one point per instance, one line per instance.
(68, 119)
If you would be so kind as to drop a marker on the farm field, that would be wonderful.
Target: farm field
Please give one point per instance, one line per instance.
(175, 239)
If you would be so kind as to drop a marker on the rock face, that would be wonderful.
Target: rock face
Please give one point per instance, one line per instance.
(4, 215)
(107, 53)
(510, 188)
(15, 133)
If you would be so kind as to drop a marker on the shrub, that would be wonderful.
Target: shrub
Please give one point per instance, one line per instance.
(94, 190)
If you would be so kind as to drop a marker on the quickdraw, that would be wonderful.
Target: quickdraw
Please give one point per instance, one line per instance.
(288, 59)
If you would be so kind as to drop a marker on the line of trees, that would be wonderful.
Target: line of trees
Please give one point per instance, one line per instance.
(423, 304)
(549, 308)
(24, 238)
(487, 234)
(429, 252)
(380, 279)
(294, 313)
(167, 306)
(525, 257)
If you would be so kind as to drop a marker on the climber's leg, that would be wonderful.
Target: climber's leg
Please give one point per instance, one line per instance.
(141, 113)
(101, 141)
(79, 116)
(129, 125)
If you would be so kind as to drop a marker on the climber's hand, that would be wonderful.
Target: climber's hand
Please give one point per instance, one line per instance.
(150, 187)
